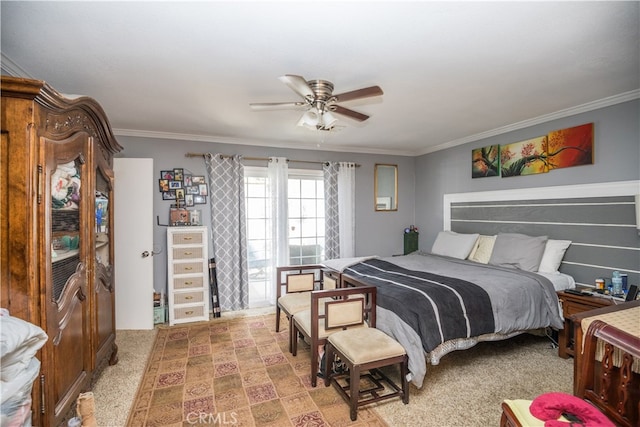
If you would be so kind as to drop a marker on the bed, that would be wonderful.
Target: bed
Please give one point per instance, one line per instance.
(588, 229)
(434, 304)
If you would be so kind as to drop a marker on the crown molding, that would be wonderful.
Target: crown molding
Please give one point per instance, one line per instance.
(258, 143)
(590, 106)
(12, 68)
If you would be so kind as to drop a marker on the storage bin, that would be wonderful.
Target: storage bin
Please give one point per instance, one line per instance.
(159, 315)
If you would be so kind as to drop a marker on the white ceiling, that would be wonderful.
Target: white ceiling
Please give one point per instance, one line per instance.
(451, 72)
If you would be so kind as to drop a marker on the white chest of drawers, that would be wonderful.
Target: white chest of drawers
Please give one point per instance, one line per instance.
(188, 287)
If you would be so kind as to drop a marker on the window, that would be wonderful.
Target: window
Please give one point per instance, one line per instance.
(306, 217)
(305, 224)
(258, 238)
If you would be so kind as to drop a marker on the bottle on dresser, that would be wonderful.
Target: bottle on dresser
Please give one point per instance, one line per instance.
(616, 284)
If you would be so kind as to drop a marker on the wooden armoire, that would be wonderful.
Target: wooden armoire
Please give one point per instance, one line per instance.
(56, 236)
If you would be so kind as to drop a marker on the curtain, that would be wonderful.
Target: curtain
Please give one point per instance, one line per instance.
(346, 208)
(331, 214)
(228, 226)
(277, 182)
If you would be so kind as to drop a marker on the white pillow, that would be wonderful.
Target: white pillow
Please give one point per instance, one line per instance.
(455, 245)
(513, 250)
(553, 254)
(482, 250)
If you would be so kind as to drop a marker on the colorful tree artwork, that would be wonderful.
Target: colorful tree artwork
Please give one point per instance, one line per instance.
(525, 157)
(570, 147)
(485, 161)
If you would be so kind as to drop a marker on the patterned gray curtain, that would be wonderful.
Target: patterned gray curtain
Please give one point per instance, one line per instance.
(226, 199)
(331, 212)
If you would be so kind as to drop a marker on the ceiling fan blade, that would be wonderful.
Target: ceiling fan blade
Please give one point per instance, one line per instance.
(298, 84)
(278, 106)
(349, 113)
(359, 93)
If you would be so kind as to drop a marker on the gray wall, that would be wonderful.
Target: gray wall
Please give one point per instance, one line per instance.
(616, 158)
(377, 233)
(422, 180)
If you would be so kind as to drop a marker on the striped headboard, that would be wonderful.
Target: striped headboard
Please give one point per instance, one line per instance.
(600, 220)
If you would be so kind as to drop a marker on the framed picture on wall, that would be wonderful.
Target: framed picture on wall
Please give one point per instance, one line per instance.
(180, 193)
(168, 195)
(199, 200)
(178, 174)
(166, 175)
(163, 184)
(197, 179)
(175, 184)
(188, 199)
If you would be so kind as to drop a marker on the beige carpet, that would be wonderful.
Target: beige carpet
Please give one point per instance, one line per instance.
(466, 389)
(116, 387)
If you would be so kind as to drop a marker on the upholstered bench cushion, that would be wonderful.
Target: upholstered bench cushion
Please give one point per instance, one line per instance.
(303, 318)
(365, 345)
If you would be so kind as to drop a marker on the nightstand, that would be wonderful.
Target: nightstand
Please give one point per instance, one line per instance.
(573, 304)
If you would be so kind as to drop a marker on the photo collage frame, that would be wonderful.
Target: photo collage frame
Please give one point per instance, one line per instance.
(184, 189)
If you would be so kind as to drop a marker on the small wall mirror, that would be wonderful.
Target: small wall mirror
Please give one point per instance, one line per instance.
(385, 191)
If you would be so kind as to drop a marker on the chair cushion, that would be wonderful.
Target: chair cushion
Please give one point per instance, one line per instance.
(365, 345)
(294, 302)
(520, 408)
(303, 319)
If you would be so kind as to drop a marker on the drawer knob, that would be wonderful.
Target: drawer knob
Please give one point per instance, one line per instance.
(188, 253)
(188, 283)
(188, 313)
(188, 297)
(188, 238)
(188, 268)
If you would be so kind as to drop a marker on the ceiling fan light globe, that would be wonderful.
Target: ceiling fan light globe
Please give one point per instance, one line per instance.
(309, 119)
(328, 120)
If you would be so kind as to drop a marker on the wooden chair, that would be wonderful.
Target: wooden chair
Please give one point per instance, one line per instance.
(297, 282)
(365, 350)
(311, 324)
(610, 381)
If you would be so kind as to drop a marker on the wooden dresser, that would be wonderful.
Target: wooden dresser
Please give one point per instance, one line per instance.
(56, 229)
(187, 274)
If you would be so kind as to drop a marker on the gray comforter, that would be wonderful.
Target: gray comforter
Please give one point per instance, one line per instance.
(516, 300)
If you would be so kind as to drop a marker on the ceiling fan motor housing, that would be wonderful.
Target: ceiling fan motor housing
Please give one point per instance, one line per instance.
(323, 91)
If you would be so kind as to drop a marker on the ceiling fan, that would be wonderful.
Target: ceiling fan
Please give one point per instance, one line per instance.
(319, 102)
